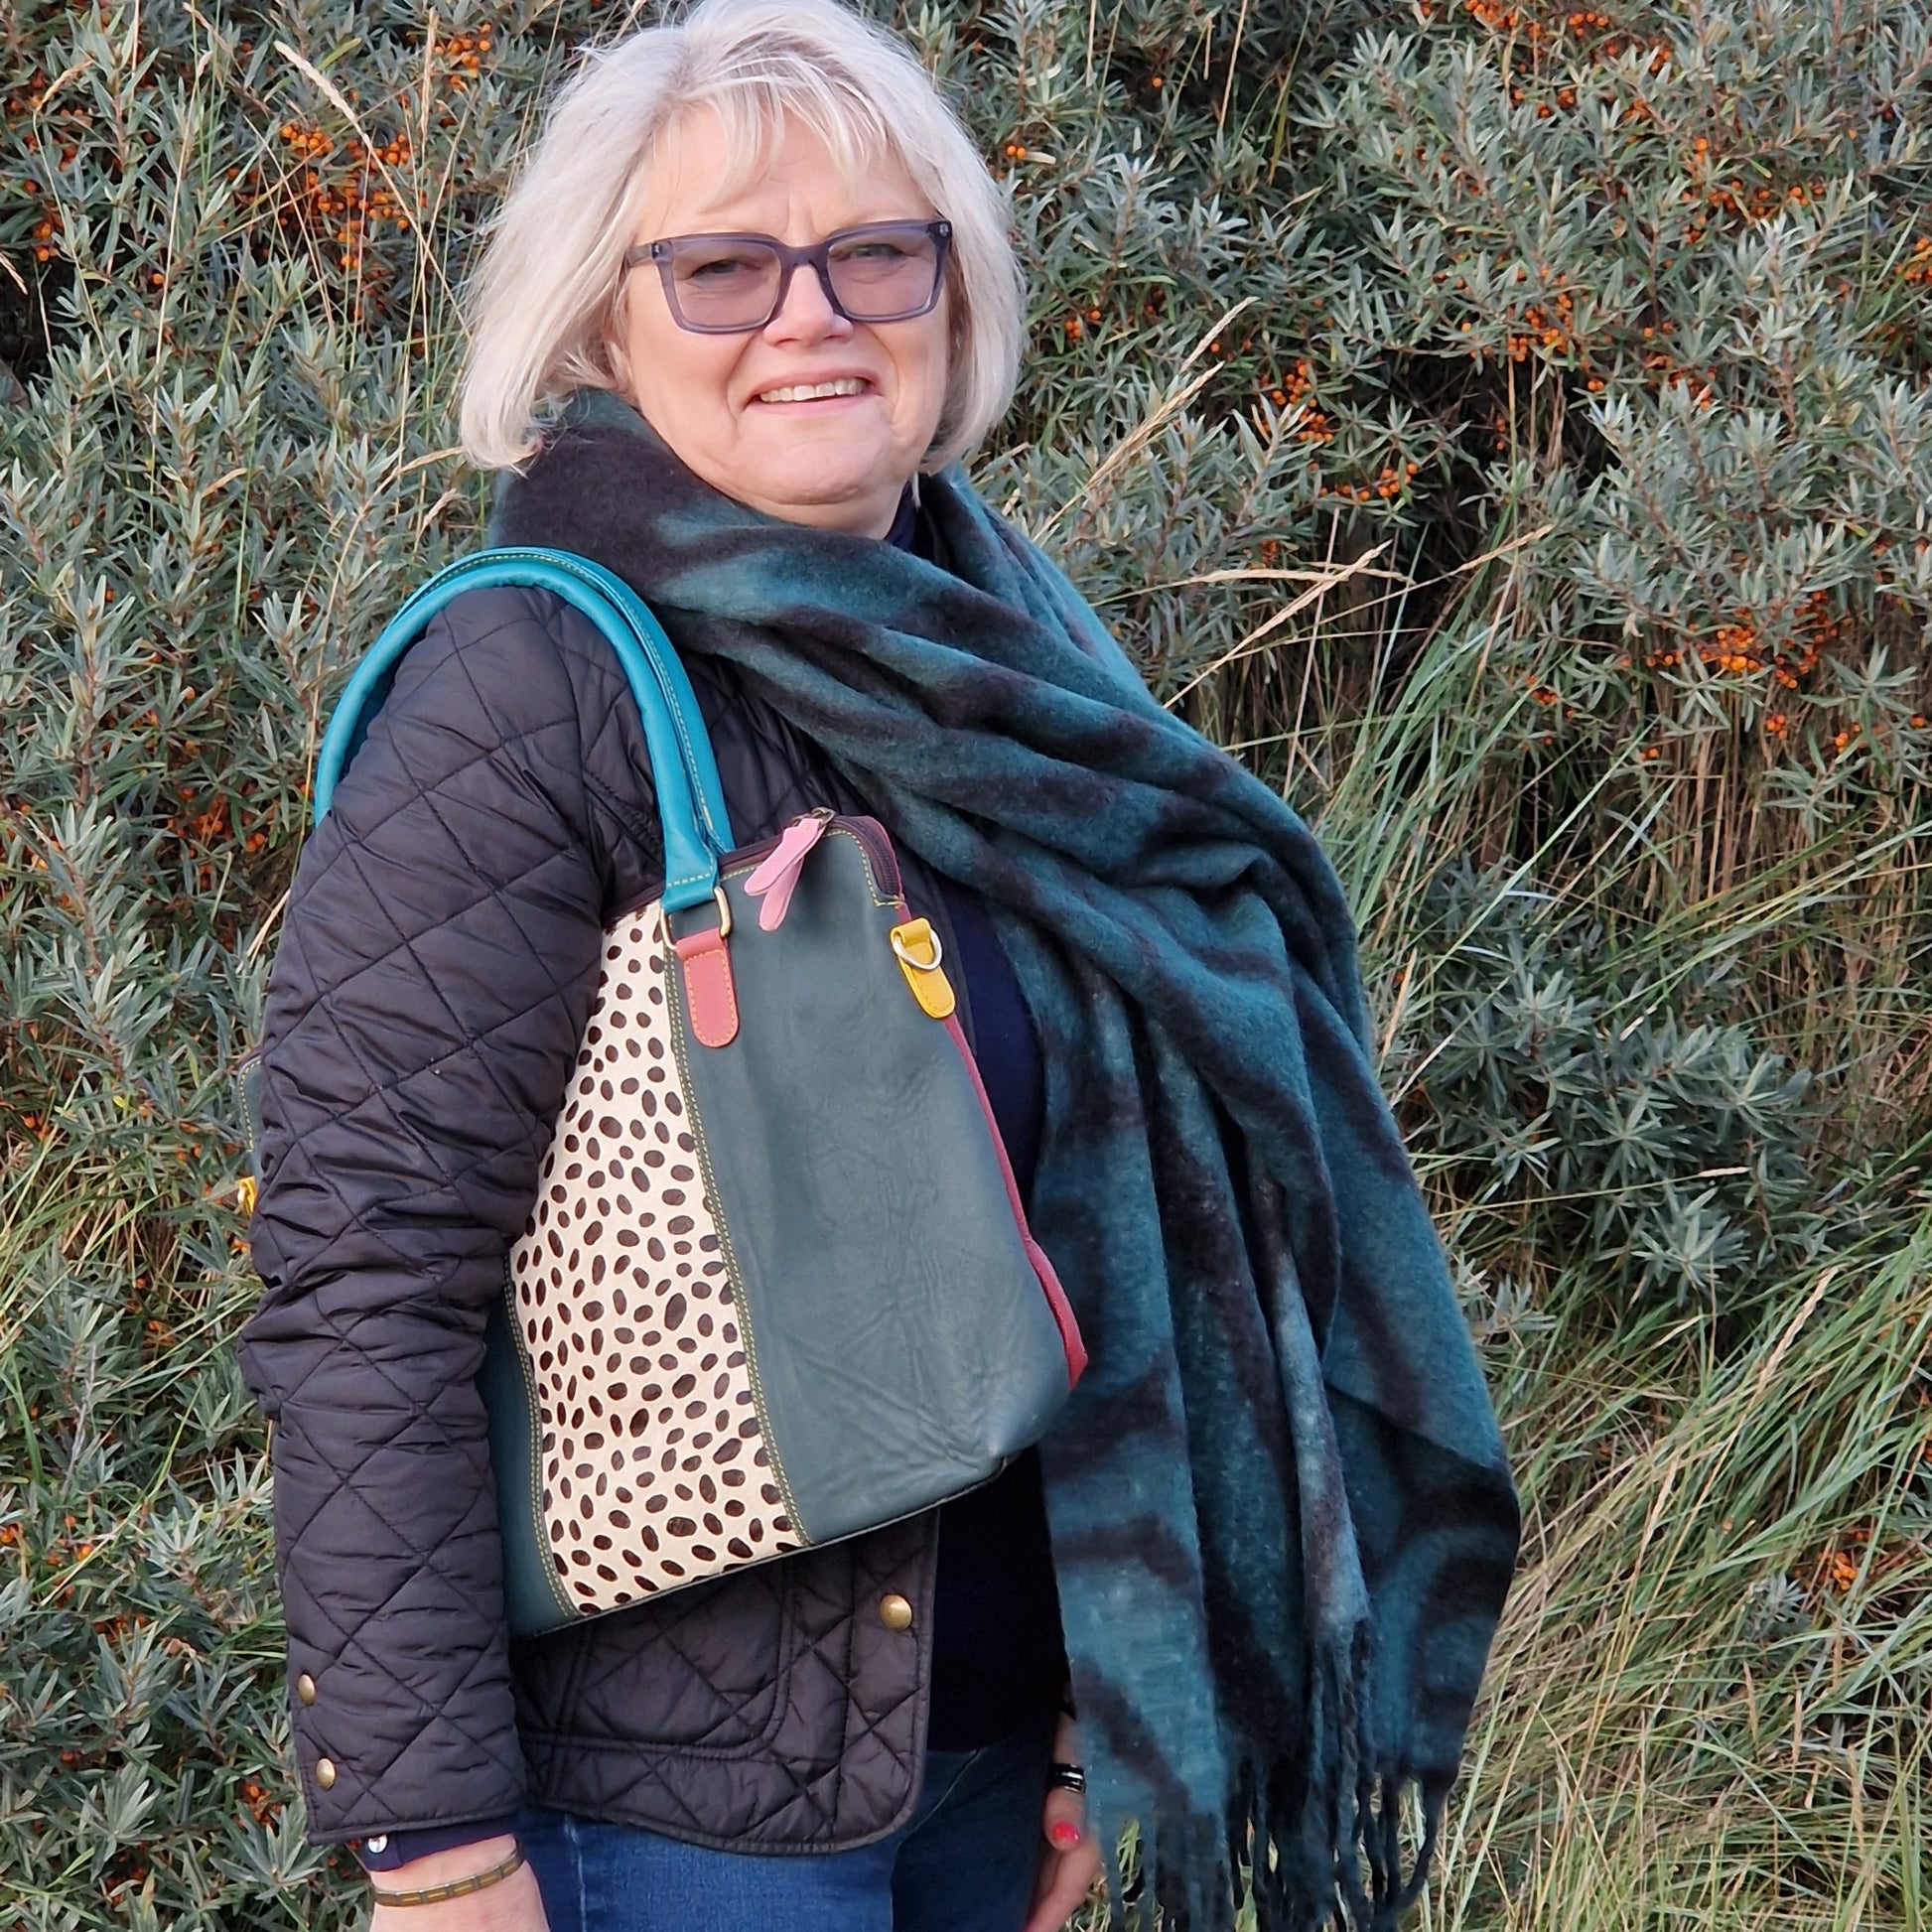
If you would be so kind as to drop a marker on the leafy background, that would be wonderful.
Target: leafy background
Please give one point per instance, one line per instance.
(1506, 426)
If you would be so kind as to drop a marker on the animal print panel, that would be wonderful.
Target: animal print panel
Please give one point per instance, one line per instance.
(654, 1467)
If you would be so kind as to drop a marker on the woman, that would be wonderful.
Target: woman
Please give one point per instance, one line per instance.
(750, 300)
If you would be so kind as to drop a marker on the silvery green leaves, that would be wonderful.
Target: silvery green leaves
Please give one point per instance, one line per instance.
(1658, 405)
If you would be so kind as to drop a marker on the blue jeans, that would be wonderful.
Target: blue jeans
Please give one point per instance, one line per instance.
(962, 1863)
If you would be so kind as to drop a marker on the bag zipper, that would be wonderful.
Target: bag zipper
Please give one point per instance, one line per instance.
(874, 840)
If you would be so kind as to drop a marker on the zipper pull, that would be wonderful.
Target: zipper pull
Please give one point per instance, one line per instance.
(777, 877)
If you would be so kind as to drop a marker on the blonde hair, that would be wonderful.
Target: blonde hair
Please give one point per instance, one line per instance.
(543, 306)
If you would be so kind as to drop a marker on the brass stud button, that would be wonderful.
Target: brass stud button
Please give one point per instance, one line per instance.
(894, 1613)
(305, 1688)
(326, 1773)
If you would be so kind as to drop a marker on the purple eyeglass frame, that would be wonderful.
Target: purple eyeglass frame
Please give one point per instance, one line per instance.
(817, 257)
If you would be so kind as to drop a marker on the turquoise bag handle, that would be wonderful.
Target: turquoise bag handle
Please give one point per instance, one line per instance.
(690, 801)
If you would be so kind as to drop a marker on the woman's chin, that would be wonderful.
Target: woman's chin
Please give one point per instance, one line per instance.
(813, 484)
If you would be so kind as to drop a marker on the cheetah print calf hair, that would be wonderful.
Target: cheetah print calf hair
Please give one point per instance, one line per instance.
(654, 1467)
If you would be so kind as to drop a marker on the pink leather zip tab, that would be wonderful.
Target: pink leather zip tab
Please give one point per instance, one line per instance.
(777, 878)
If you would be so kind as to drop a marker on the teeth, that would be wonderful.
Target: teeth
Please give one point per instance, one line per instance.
(846, 385)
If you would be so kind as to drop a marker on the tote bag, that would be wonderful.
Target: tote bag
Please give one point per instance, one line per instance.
(776, 1286)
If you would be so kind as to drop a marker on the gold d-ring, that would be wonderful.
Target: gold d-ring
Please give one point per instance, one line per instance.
(723, 916)
(906, 958)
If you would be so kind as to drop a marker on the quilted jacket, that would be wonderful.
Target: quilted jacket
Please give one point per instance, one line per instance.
(432, 980)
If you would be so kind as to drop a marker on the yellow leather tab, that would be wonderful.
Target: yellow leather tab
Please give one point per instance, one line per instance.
(916, 947)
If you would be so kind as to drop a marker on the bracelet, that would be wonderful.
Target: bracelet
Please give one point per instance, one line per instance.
(457, 1888)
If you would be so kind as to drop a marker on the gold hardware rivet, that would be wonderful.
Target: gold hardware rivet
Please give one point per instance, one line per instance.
(326, 1773)
(894, 1613)
(305, 1688)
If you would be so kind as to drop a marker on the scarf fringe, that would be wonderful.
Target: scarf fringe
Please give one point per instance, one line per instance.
(1318, 1833)
(1323, 1881)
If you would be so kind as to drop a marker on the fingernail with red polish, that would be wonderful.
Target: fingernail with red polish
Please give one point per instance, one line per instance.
(1065, 1836)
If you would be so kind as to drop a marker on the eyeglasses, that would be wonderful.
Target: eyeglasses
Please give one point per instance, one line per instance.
(728, 284)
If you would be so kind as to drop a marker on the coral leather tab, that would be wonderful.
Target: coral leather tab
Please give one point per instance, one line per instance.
(916, 947)
(710, 995)
(774, 882)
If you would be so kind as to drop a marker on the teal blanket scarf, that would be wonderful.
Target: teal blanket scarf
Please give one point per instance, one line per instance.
(1282, 1522)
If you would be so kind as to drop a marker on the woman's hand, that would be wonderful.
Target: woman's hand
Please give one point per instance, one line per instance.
(1069, 1862)
(512, 1906)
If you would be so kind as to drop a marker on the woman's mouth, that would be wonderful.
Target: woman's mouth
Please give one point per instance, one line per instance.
(845, 385)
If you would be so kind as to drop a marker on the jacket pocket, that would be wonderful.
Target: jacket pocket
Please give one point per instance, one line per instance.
(705, 1671)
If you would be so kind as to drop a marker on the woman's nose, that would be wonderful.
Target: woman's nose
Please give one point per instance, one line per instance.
(806, 313)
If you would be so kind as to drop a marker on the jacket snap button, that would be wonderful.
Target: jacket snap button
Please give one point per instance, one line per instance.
(326, 1773)
(894, 1613)
(305, 1688)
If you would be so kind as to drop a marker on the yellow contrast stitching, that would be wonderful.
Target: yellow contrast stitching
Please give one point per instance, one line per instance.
(680, 1052)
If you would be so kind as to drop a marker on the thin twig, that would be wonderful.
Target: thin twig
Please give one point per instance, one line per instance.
(1174, 400)
(1254, 639)
(370, 147)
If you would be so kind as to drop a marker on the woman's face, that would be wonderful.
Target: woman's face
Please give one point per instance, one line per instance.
(837, 463)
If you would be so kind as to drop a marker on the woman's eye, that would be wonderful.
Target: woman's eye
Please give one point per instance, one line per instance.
(721, 268)
(872, 252)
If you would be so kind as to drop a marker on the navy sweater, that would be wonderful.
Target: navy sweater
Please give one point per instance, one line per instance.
(997, 1654)
(998, 1658)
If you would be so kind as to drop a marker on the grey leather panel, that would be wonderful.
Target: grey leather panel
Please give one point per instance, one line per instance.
(903, 1347)
(530, 1599)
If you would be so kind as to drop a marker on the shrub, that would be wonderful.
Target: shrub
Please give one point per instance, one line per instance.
(1505, 426)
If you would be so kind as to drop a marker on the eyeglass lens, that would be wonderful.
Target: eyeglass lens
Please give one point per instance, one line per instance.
(730, 282)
